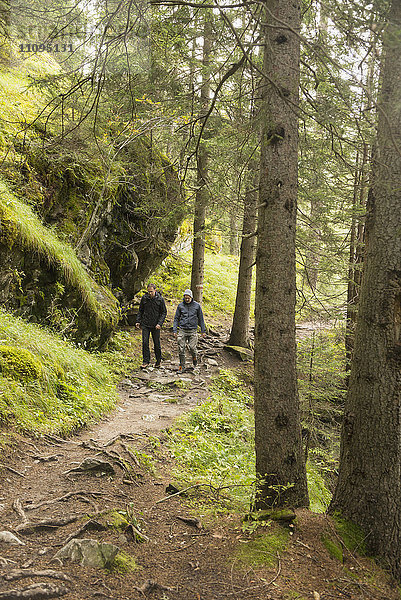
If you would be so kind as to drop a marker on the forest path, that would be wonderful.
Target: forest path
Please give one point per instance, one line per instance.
(108, 482)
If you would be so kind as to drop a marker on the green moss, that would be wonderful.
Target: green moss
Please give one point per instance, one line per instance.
(119, 520)
(263, 549)
(351, 534)
(124, 563)
(333, 547)
(19, 363)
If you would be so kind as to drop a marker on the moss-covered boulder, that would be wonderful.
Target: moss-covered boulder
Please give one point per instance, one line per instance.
(122, 224)
(42, 279)
(83, 220)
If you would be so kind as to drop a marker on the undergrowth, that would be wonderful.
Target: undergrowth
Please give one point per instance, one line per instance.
(214, 449)
(213, 445)
(321, 384)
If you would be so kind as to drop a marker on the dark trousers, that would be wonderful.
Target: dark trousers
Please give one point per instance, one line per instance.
(146, 331)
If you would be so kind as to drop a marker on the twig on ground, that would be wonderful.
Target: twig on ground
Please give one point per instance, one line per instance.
(178, 549)
(12, 470)
(196, 485)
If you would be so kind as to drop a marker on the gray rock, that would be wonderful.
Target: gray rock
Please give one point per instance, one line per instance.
(10, 538)
(241, 353)
(89, 553)
(92, 464)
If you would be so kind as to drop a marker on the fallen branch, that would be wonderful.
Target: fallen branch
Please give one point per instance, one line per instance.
(196, 485)
(16, 574)
(5, 561)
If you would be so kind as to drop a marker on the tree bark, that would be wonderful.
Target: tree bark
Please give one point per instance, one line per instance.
(239, 335)
(369, 486)
(201, 197)
(313, 255)
(233, 234)
(280, 464)
(357, 244)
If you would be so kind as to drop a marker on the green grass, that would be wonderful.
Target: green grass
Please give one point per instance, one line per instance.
(214, 446)
(47, 384)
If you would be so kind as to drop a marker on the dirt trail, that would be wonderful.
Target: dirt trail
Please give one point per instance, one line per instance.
(180, 559)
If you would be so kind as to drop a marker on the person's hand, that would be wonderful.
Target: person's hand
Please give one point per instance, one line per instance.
(137, 325)
(158, 326)
(204, 334)
(175, 335)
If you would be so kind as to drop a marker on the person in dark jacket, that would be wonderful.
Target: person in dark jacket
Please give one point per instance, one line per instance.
(186, 320)
(151, 315)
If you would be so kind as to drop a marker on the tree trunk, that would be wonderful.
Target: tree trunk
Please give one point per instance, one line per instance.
(369, 486)
(357, 244)
(201, 197)
(233, 234)
(357, 238)
(239, 335)
(313, 255)
(280, 464)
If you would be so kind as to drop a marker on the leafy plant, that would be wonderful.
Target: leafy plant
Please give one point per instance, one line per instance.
(214, 444)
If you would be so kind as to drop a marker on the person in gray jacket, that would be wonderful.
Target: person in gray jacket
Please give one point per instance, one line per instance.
(186, 320)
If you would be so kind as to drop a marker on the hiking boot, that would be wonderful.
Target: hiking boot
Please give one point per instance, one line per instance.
(144, 365)
(181, 368)
(194, 361)
(157, 365)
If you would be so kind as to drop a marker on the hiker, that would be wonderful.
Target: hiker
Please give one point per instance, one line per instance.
(187, 318)
(151, 314)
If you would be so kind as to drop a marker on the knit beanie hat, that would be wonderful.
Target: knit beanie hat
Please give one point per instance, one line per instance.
(188, 293)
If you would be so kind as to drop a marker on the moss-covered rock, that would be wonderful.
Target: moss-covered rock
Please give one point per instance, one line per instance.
(42, 279)
(108, 210)
(19, 363)
(122, 232)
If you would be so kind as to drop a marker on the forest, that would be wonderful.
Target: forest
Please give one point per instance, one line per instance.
(250, 152)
